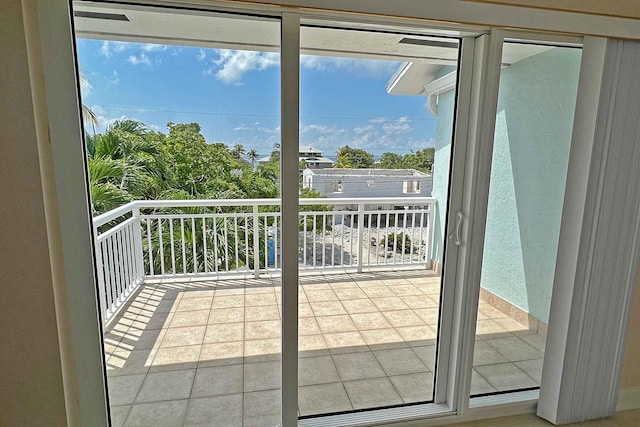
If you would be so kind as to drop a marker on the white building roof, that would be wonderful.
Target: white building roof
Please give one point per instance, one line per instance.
(316, 159)
(309, 149)
(406, 173)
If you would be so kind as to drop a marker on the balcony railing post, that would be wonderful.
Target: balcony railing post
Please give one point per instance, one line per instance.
(102, 294)
(256, 242)
(137, 226)
(429, 245)
(360, 236)
(122, 254)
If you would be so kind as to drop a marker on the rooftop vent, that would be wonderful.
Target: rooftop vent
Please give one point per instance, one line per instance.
(432, 43)
(99, 15)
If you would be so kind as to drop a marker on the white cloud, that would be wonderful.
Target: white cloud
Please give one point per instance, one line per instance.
(256, 127)
(422, 144)
(361, 129)
(108, 48)
(154, 47)
(104, 118)
(270, 130)
(114, 79)
(360, 67)
(377, 135)
(399, 126)
(143, 59)
(148, 55)
(232, 65)
(366, 140)
(324, 137)
(271, 140)
(321, 129)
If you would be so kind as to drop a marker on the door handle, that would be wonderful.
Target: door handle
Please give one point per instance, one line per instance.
(456, 232)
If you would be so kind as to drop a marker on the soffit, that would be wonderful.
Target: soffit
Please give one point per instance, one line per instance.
(227, 31)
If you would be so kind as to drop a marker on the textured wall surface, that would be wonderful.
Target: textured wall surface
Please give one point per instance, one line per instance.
(631, 363)
(441, 162)
(30, 364)
(625, 8)
(530, 156)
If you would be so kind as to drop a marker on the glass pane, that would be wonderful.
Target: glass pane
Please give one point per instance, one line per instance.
(537, 96)
(368, 310)
(187, 118)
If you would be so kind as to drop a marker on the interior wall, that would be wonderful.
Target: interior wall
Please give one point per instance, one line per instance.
(631, 363)
(32, 391)
(30, 365)
(624, 8)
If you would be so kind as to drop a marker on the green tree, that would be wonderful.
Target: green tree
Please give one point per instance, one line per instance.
(348, 157)
(88, 115)
(271, 170)
(104, 173)
(391, 161)
(421, 160)
(313, 222)
(238, 151)
(122, 165)
(205, 170)
(253, 156)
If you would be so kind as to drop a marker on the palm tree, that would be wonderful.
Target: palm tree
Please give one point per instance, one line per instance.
(122, 164)
(88, 115)
(238, 151)
(253, 156)
(105, 193)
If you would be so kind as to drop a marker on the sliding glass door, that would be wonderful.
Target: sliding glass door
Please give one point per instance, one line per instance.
(534, 123)
(376, 116)
(345, 221)
(183, 133)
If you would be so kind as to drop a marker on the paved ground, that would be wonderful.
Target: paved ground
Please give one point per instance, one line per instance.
(207, 351)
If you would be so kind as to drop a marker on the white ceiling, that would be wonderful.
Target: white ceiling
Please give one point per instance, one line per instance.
(189, 28)
(422, 54)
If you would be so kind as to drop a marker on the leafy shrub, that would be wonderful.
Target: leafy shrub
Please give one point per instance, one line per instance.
(400, 242)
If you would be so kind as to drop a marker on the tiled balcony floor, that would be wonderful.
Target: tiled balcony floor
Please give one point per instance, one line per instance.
(206, 352)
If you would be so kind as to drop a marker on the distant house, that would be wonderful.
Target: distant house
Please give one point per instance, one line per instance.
(354, 183)
(311, 156)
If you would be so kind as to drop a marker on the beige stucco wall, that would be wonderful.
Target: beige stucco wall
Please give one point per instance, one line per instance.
(30, 366)
(631, 363)
(30, 363)
(623, 8)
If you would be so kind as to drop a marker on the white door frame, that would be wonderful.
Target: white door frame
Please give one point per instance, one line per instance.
(82, 348)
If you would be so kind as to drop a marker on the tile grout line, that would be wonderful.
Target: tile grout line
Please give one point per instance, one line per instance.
(195, 374)
(322, 335)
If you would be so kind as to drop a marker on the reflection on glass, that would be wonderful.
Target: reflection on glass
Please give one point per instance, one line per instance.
(188, 282)
(368, 312)
(538, 86)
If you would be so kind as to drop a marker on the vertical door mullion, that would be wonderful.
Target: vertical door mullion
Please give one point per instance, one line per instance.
(460, 134)
(289, 158)
(471, 171)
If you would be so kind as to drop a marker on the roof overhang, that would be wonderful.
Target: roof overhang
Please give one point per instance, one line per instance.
(420, 78)
(175, 26)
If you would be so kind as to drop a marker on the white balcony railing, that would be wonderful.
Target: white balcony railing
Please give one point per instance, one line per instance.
(167, 238)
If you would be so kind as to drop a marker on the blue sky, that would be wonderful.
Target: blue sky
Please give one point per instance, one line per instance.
(234, 95)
